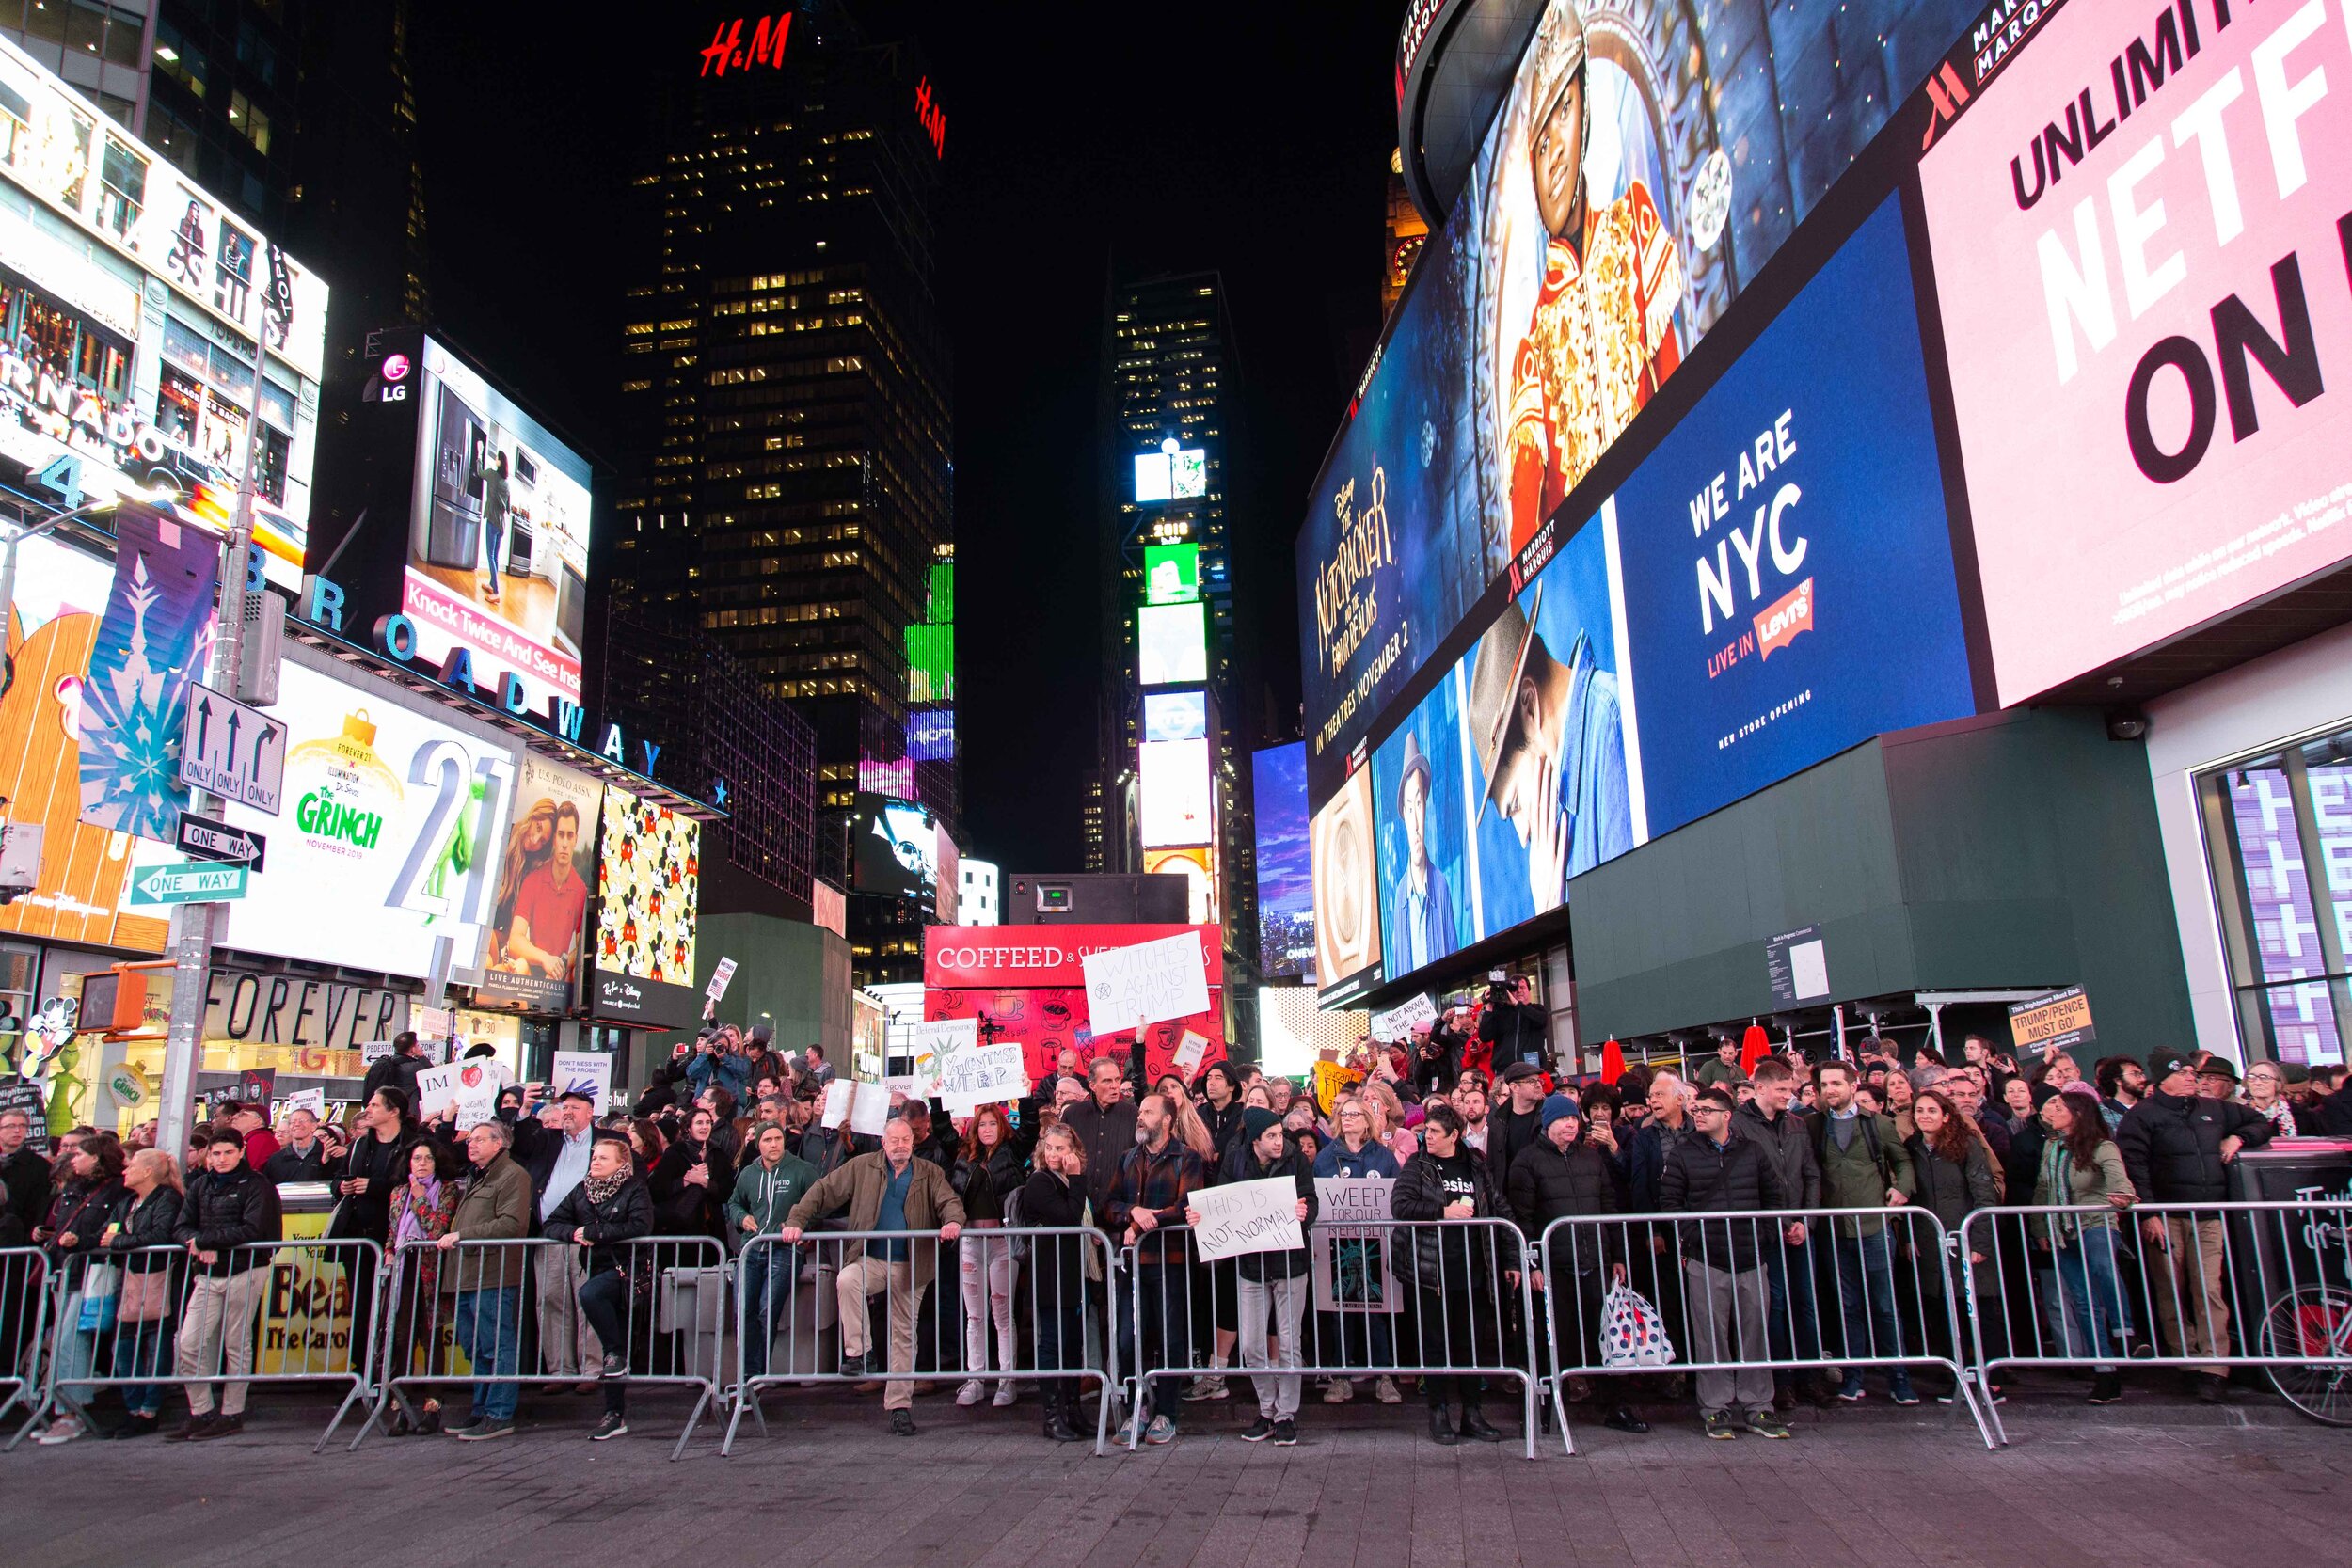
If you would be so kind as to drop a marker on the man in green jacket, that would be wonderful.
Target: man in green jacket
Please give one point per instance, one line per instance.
(1863, 1165)
(889, 1191)
(764, 1195)
(486, 1318)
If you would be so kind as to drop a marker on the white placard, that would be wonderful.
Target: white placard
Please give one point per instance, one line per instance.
(588, 1072)
(719, 978)
(1190, 1051)
(1398, 1022)
(837, 1102)
(981, 1075)
(1809, 968)
(1152, 981)
(312, 1100)
(869, 1109)
(1247, 1216)
(933, 1042)
(473, 1084)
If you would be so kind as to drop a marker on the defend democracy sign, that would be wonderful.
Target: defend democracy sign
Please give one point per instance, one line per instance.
(1149, 982)
(1247, 1216)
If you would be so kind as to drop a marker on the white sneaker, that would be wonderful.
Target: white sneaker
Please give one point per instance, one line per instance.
(971, 1391)
(65, 1429)
(1209, 1386)
(1339, 1390)
(1004, 1394)
(1385, 1391)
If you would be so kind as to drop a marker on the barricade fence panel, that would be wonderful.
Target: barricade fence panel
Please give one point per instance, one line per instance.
(1448, 1301)
(2202, 1287)
(24, 1333)
(648, 1311)
(299, 1311)
(1751, 1301)
(993, 1309)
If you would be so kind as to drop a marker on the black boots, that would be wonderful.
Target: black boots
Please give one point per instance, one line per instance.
(1474, 1424)
(1059, 1426)
(1442, 1426)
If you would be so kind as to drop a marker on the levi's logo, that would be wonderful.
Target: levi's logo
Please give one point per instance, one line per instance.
(1783, 621)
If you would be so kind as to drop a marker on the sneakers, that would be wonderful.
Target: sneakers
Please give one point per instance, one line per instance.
(1005, 1395)
(614, 1366)
(1259, 1431)
(221, 1426)
(614, 1424)
(1211, 1386)
(65, 1429)
(853, 1364)
(194, 1425)
(1286, 1434)
(1161, 1430)
(2107, 1387)
(1341, 1390)
(1623, 1419)
(1902, 1393)
(137, 1424)
(1764, 1423)
(461, 1428)
(1718, 1425)
(902, 1423)
(484, 1431)
(971, 1391)
(1386, 1392)
(1851, 1390)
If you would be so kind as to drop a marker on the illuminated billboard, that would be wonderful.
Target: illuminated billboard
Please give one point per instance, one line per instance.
(1197, 865)
(1175, 714)
(544, 869)
(648, 887)
(1286, 892)
(130, 300)
(1172, 473)
(1171, 573)
(931, 734)
(1178, 803)
(1647, 161)
(1171, 641)
(931, 662)
(2137, 378)
(1347, 885)
(894, 847)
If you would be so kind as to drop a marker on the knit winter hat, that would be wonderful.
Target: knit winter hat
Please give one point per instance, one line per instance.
(1555, 1108)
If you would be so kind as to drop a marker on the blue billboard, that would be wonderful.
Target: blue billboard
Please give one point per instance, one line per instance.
(1286, 894)
(1785, 553)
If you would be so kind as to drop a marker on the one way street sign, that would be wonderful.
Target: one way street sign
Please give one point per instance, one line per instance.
(208, 840)
(236, 752)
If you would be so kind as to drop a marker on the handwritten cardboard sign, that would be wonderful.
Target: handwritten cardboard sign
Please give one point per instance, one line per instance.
(1152, 981)
(979, 1075)
(837, 1095)
(473, 1084)
(588, 1072)
(1398, 1022)
(1247, 1216)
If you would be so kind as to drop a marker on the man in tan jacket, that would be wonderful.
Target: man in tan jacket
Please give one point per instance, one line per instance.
(486, 1318)
(891, 1191)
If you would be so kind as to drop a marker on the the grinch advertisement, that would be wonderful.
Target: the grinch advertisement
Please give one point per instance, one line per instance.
(648, 880)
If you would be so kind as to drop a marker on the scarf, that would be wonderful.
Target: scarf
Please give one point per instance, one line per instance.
(412, 1227)
(602, 1188)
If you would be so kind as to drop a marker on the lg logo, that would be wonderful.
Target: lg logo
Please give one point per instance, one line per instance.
(395, 378)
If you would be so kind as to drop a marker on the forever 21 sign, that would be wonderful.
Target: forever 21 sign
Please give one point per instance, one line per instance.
(293, 1009)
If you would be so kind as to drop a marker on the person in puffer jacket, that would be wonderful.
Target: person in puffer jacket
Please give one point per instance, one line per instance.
(229, 1206)
(611, 1209)
(764, 1194)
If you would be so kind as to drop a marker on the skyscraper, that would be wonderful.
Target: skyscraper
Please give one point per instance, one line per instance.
(785, 382)
(1166, 415)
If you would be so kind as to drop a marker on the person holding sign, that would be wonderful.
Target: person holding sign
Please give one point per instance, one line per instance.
(1460, 1318)
(1148, 1191)
(1276, 1280)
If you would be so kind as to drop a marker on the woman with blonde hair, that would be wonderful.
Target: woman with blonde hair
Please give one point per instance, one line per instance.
(1055, 1197)
(1387, 1120)
(143, 1340)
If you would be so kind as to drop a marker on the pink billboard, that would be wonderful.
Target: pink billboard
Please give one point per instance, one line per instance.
(2142, 233)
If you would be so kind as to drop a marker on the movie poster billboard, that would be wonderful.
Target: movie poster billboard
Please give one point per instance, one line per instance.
(546, 870)
(648, 884)
(1419, 789)
(1346, 881)
(2141, 262)
(1286, 889)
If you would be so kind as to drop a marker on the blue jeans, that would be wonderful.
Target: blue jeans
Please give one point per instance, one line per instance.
(1167, 1334)
(488, 1325)
(2091, 1292)
(143, 1349)
(77, 1357)
(1866, 1264)
(768, 1273)
(1795, 1321)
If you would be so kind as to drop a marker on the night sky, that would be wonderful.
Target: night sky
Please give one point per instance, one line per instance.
(1249, 139)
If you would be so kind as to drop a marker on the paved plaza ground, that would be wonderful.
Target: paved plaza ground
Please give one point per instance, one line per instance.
(2155, 1481)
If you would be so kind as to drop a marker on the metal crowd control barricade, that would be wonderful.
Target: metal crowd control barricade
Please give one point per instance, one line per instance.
(286, 1312)
(2221, 1286)
(671, 1311)
(994, 1306)
(1733, 1291)
(24, 1333)
(1368, 1312)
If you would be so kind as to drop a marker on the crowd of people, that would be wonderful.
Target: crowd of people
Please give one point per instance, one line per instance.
(162, 1279)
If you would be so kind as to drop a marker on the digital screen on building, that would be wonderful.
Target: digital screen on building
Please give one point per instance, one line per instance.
(1171, 573)
(1172, 644)
(931, 662)
(939, 598)
(1648, 159)
(1175, 714)
(1346, 885)
(894, 847)
(1178, 804)
(130, 299)
(1286, 889)
(1197, 865)
(650, 886)
(1770, 586)
(547, 868)
(931, 734)
(1172, 473)
(2137, 377)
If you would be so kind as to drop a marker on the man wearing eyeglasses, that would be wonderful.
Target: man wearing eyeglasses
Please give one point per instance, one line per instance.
(1715, 1171)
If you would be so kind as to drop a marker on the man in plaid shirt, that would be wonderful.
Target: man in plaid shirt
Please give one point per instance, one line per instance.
(1155, 1180)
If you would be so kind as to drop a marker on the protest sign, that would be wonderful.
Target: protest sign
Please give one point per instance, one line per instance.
(719, 978)
(979, 1075)
(312, 1100)
(473, 1084)
(1351, 1267)
(869, 1109)
(1149, 981)
(932, 1044)
(588, 1072)
(1189, 1052)
(1398, 1022)
(837, 1095)
(1247, 1216)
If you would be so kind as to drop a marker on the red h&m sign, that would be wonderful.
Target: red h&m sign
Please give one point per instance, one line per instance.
(934, 119)
(727, 52)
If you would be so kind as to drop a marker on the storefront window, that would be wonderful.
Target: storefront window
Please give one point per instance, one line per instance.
(2269, 822)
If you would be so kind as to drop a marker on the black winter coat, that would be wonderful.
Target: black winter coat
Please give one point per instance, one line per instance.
(1701, 1176)
(1057, 1264)
(680, 1206)
(369, 1214)
(1420, 1195)
(2172, 1146)
(1546, 1185)
(1262, 1266)
(148, 1223)
(1949, 1191)
(623, 1217)
(223, 1213)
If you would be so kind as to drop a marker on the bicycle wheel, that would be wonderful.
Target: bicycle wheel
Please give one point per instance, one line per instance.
(2314, 1320)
